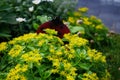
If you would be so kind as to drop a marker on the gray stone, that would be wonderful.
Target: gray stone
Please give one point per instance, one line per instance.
(107, 10)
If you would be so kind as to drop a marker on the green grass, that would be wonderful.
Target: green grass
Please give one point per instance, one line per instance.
(113, 57)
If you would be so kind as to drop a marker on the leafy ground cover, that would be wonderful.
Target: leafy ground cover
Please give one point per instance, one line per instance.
(113, 57)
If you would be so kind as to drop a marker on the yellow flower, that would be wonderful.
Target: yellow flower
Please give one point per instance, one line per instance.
(86, 21)
(69, 77)
(3, 46)
(71, 20)
(83, 9)
(15, 73)
(59, 53)
(75, 40)
(93, 17)
(56, 63)
(21, 68)
(54, 71)
(103, 59)
(63, 73)
(67, 66)
(99, 20)
(91, 76)
(77, 14)
(51, 31)
(72, 51)
(50, 58)
(97, 56)
(24, 68)
(15, 51)
(60, 40)
(25, 38)
(23, 77)
(12, 42)
(72, 71)
(32, 56)
(99, 27)
(41, 42)
(67, 36)
(51, 49)
(70, 56)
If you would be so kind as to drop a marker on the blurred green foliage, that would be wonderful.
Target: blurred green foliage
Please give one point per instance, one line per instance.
(12, 9)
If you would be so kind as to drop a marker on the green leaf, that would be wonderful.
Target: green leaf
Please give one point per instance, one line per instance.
(42, 18)
(8, 18)
(80, 76)
(5, 35)
(30, 47)
(3, 75)
(42, 68)
(76, 29)
(47, 74)
(100, 38)
(35, 26)
(85, 66)
(5, 7)
(78, 50)
(31, 65)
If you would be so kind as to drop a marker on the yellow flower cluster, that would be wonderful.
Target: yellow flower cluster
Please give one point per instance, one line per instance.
(90, 76)
(32, 56)
(96, 56)
(95, 18)
(25, 38)
(86, 21)
(99, 26)
(15, 51)
(69, 68)
(3, 46)
(52, 32)
(41, 42)
(77, 14)
(83, 9)
(56, 63)
(74, 40)
(68, 71)
(17, 72)
(71, 20)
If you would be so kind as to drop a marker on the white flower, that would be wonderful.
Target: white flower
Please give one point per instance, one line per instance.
(79, 21)
(19, 19)
(31, 9)
(36, 1)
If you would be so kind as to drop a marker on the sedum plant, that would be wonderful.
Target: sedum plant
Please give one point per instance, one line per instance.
(47, 57)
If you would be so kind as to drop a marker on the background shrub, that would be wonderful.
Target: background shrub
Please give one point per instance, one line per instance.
(89, 27)
(28, 20)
